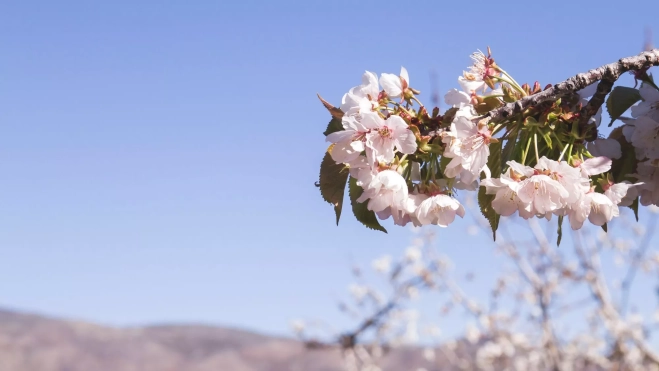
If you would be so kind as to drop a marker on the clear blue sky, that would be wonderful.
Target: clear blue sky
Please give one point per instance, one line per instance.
(157, 159)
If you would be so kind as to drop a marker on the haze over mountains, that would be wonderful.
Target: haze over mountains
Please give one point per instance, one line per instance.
(31, 342)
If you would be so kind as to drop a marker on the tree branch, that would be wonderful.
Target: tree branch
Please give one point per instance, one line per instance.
(589, 110)
(610, 72)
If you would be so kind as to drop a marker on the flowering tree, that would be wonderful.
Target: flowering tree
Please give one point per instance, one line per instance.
(524, 149)
(547, 309)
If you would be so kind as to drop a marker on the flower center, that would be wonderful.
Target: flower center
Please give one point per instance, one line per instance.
(385, 132)
(439, 209)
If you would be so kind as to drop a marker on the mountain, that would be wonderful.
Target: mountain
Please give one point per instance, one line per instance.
(35, 343)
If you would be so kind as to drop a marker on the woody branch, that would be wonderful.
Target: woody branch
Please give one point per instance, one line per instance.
(608, 74)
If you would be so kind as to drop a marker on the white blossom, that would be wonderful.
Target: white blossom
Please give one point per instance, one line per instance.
(650, 105)
(439, 209)
(383, 264)
(648, 174)
(387, 136)
(457, 98)
(349, 142)
(646, 136)
(393, 85)
(387, 189)
(468, 146)
(605, 147)
(506, 201)
(362, 98)
(596, 207)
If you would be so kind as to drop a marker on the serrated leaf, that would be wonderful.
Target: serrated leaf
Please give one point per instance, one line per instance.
(485, 205)
(332, 182)
(449, 115)
(363, 215)
(485, 200)
(560, 230)
(494, 160)
(333, 126)
(620, 100)
(335, 112)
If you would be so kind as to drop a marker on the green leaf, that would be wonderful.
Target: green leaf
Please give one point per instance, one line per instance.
(625, 165)
(560, 230)
(494, 160)
(333, 126)
(364, 215)
(508, 149)
(485, 200)
(333, 178)
(449, 115)
(620, 100)
(634, 206)
(443, 163)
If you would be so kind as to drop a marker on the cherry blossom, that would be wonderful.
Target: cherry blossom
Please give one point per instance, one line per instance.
(480, 70)
(387, 189)
(595, 166)
(386, 137)
(457, 98)
(649, 107)
(646, 136)
(349, 143)
(617, 193)
(467, 145)
(567, 176)
(596, 207)
(395, 86)
(648, 174)
(439, 209)
(362, 98)
(605, 147)
(361, 170)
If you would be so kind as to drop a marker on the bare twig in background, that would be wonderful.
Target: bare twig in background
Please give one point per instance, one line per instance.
(523, 326)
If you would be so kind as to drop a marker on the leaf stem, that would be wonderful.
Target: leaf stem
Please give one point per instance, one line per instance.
(535, 144)
(526, 151)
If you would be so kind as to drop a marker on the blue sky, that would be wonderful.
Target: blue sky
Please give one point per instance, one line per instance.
(157, 159)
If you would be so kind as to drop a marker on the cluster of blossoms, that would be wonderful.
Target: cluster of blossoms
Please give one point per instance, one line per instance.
(553, 187)
(642, 132)
(408, 163)
(374, 144)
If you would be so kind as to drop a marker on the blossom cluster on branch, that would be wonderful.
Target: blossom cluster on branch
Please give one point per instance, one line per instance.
(543, 157)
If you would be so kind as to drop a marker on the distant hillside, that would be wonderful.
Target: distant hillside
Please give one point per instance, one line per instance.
(35, 343)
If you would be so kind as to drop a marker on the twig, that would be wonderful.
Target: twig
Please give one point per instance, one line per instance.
(611, 71)
(589, 110)
(633, 266)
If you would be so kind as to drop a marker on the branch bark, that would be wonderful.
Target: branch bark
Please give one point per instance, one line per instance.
(609, 73)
